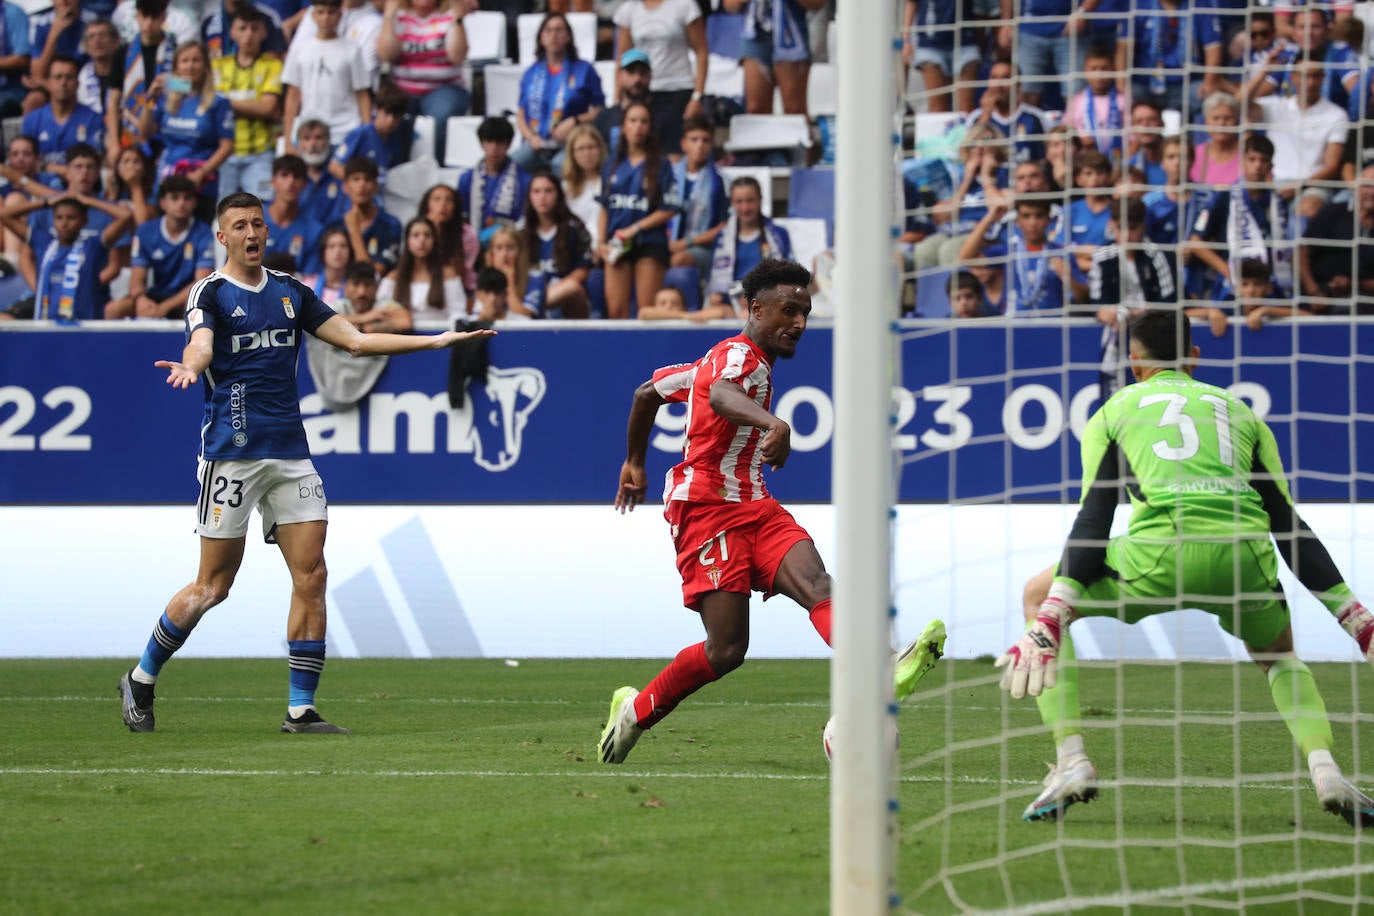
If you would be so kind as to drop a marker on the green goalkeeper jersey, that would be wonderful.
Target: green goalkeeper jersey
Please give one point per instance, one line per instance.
(1189, 455)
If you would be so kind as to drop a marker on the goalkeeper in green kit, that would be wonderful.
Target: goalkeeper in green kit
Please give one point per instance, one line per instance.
(1207, 490)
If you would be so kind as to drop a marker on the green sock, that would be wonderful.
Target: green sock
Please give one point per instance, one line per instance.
(1336, 598)
(1059, 705)
(1297, 700)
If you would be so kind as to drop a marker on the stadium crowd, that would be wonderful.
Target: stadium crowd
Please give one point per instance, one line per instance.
(1203, 152)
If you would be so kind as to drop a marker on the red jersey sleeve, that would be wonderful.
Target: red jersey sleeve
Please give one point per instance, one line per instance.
(674, 383)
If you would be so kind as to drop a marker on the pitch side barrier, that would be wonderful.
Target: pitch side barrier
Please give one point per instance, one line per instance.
(987, 412)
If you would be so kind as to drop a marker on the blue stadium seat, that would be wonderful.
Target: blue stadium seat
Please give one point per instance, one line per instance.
(722, 34)
(12, 289)
(687, 280)
(811, 195)
(932, 294)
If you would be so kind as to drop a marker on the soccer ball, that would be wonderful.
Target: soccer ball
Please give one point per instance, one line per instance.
(828, 737)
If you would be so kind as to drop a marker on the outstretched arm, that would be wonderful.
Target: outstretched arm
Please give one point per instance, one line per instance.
(194, 359)
(340, 332)
(643, 410)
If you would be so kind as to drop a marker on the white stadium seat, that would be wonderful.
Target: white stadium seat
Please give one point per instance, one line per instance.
(503, 87)
(486, 31)
(605, 71)
(752, 133)
(463, 148)
(423, 144)
(808, 238)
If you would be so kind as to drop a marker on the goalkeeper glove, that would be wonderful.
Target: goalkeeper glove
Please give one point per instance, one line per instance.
(1359, 623)
(1029, 666)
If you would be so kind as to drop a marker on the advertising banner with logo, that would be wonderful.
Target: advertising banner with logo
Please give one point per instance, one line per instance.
(986, 412)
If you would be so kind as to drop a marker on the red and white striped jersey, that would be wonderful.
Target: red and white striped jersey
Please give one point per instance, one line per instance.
(720, 461)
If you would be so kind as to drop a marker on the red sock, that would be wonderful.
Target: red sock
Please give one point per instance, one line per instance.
(686, 674)
(820, 619)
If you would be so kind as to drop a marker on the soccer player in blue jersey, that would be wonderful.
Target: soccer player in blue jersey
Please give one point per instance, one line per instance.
(170, 255)
(244, 328)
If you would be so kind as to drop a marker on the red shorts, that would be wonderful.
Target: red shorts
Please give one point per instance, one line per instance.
(731, 547)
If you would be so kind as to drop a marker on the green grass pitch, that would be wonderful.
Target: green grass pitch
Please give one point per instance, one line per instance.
(472, 787)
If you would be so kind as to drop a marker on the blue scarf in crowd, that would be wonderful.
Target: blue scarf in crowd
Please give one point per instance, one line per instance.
(723, 262)
(695, 216)
(63, 306)
(539, 87)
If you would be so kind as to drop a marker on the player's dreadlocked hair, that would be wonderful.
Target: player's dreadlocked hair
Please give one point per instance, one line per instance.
(773, 272)
(1165, 334)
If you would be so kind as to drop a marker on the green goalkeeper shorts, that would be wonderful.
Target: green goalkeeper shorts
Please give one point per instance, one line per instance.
(1237, 582)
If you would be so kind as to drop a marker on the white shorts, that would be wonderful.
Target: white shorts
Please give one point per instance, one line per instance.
(283, 490)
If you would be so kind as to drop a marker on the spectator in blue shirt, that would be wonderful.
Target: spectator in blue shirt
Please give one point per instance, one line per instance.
(386, 141)
(54, 31)
(170, 253)
(63, 122)
(290, 228)
(748, 239)
(558, 92)
(216, 27)
(195, 123)
(1163, 41)
(705, 206)
(493, 194)
(14, 58)
(942, 52)
(374, 234)
(323, 196)
(70, 263)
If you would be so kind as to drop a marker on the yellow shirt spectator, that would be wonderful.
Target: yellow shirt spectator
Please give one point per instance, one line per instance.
(249, 84)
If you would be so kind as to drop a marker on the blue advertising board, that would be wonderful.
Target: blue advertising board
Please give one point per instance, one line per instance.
(986, 412)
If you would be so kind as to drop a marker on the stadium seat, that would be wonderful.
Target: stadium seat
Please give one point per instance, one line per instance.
(486, 31)
(723, 34)
(406, 183)
(759, 133)
(762, 174)
(583, 27)
(811, 194)
(503, 87)
(605, 70)
(9, 129)
(932, 294)
(12, 289)
(686, 280)
(423, 144)
(1173, 121)
(822, 92)
(463, 150)
(808, 239)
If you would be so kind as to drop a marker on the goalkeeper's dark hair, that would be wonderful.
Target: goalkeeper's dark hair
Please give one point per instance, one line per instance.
(1165, 335)
(773, 272)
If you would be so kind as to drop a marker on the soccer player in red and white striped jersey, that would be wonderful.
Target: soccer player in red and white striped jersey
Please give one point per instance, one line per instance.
(732, 537)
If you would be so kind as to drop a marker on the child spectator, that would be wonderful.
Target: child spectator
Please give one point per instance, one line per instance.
(705, 206)
(326, 79)
(1100, 114)
(506, 253)
(15, 57)
(967, 298)
(458, 245)
(170, 254)
(557, 93)
(1033, 262)
(582, 178)
(1246, 221)
(216, 29)
(83, 174)
(335, 254)
(195, 124)
(386, 141)
(1163, 204)
(1258, 301)
(559, 249)
(748, 238)
(639, 197)
(323, 196)
(671, 304)
(131, 184)
(149, 56)
(63, 121)
(421, 281)
(1089, 216)
(67, 277)
(251, 80)
(493, 194)
(374, 234)
(492, 302)
(289, 227)
(361, 24)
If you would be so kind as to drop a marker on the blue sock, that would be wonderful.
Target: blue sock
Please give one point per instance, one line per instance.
(166, 639)
(307, 664)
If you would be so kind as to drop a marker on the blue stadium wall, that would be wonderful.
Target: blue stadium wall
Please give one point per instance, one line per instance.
(488, 530)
